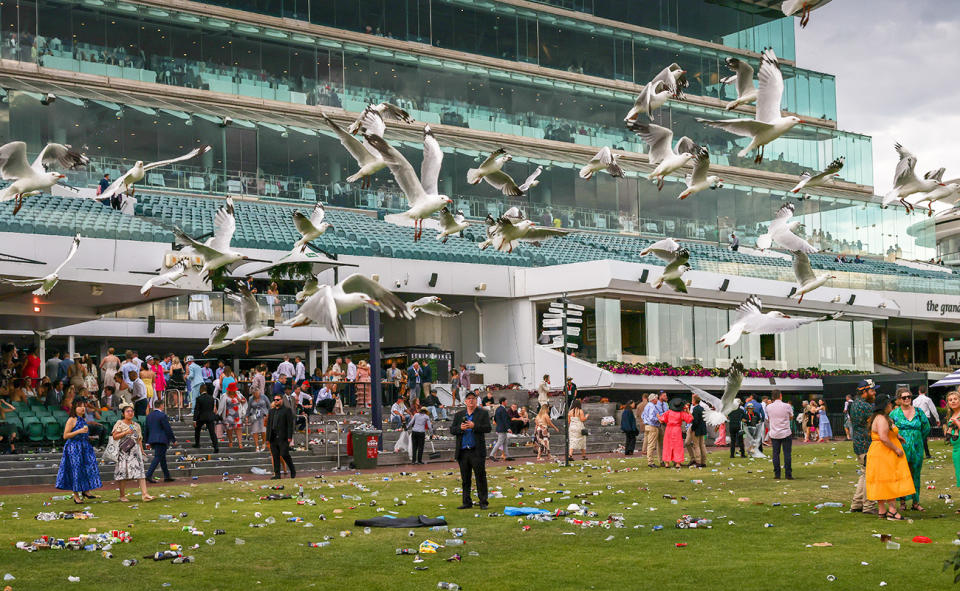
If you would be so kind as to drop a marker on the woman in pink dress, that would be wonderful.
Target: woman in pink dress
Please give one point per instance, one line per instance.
(673, 436)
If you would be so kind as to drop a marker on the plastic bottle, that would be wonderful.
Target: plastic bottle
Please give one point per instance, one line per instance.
(106, 554)
(183, 559)
(239, 541)
(439, 528)
(270, 520)
(318, 544)
(454, 542)
(301, 491)
(891, 545)
(458, 531)
(211, 541)
(830, 504)
(450, 586)
(367, 530)
(131, 562)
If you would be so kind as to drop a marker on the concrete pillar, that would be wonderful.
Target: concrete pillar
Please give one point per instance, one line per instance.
(311, 359)
(609, 342)
(71, 345)
(325, 355)
(236, 366)
(42, 353)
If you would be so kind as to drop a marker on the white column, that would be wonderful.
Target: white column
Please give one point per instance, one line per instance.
(42, 353)
(311, 360)
(236, 366)
(325, 355)
(71, 345)
(609, 341)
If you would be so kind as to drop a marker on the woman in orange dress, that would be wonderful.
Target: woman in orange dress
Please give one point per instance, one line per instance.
(673, 436)
(888, 474)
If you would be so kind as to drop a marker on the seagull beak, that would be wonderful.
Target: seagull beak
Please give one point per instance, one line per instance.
(61, 176)
(786, 316)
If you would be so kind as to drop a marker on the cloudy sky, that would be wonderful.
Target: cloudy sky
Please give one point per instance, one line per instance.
(896, 64)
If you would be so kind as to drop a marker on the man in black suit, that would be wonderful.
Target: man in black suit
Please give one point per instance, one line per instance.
(204, 414)
(160, 436)
(280, 436)
(469, 426)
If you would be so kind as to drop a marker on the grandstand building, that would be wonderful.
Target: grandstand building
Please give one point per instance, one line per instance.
(549, 81)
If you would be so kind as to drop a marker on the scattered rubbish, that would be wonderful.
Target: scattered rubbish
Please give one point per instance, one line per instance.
(922, 540)
(259, 471)
(401, 551)
(454, 558)
(318, 544)
(822, 544)
(73, 579)
(455, 542)
(830, 505)
(450, 586)
(831, 578)
(681, 544)
(53, 516)
(130, 562)
(8, 577)
(891, 545)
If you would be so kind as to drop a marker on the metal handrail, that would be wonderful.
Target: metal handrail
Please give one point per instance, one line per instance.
(326, 440)
(168, 395)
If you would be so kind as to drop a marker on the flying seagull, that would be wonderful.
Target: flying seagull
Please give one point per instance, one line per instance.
(662, 153)
(604, 160)
(491, 170)
(532, 180)
(356, 291)
(723, 406)
(948, 190)
(431, 305)
(651, 98)
(805, 7)
(386, 112)
(310, 228)
(746, 90)
(669, 251)
(699, 180)
(768, 123)
(216, 250)
(806, 278)
(905, 181)
(368, 159)
(450, 224)
(505, 233)
(168, 277)
(751, 319)
(250, 314)
(310, 287)
(808, 179)
(124, 183)
(781, 232)
(218, 338)
(46, 283)
(33, 179)
(674, 78)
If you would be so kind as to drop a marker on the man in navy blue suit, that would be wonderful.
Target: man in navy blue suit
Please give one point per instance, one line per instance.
(160, 437)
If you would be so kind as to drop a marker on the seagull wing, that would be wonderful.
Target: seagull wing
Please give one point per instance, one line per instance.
(741, 127)
(249, 308)
(432, 159)
(801, 267)
(318, 213)
(448, 221)
(783, 215)
(701, 166)
(936, 175)
(13, 161)
(787, 239)
(224, 225)
(538, 233)
(218, 334)
(677, 284)
(438, 309)
(73, 251)
(666, 77)
(749, 309)
(391, 111)
(23, 282)
(732, 388)
(772, 324)
(703, 394)
(687, 145)
(115, 187)
(744, 75)
(321, 308)
(492, 158)
(665, 249)
(402, 171)
(835, 166)
(904, 173)
(530, 179)
(352, 144)
(504, 182)
(184, 239)
(770, 92)
(191, 154)
(660, 140)
(389, 302)
(59, 156)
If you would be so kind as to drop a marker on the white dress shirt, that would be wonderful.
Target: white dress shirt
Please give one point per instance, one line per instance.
(924, 403)
(301, 371)
(351, 371)
(286, 368)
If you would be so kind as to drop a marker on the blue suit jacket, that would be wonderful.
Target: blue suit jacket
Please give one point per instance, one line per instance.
(158, 428)
(628, 421)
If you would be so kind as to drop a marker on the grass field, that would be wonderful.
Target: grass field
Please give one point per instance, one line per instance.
(743, 555)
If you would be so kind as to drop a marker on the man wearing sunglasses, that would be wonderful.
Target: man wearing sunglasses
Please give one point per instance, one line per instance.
(280, 435)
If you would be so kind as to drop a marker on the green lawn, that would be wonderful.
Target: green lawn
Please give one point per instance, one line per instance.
(743, 555)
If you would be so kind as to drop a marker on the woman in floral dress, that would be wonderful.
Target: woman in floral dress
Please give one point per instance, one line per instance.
(232, 413)
(129, 456)
(541, 433)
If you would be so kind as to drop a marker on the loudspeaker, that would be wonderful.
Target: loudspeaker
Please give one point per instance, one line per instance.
(725, 285)
(433, 280)
(271, 322)
(643, 276)
(793, 290)
(850, 301)
(151, 324)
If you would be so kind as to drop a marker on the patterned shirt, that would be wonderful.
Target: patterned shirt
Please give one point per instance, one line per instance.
(860, 411)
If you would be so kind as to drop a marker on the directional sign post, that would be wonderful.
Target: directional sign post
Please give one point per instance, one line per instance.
(561, 322)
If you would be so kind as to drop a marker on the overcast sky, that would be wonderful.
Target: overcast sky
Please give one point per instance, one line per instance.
(896, 64)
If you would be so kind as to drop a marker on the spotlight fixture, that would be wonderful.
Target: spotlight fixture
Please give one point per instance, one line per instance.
(481, 287)
(48, 98)
(226, 122)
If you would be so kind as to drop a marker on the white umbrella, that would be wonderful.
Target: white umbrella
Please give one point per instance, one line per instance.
(951, 380)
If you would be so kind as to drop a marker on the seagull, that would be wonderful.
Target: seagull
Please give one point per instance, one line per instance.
(948, 190)
(532, 180)
(124, 183)
(505, 233)
(217, 339)
(651, 98)
(250, 313)
(723, 406)
(310, 287)
(386, 111)
(751, 319)
(806, 278)
(674, 78)
(216, 251)
(431, 305)
(168, 277)
(663, 249)
(356, 291)
(781, 232)
(46, 283)
(905, 181)
(662, 154)
(450, 224)
(368, 159)
(669, 251)
(492, 166)
(33, 179)
(791, 7)
(768, 123)
(746, 90)
(310, 228)
(604, 160)
(699, 180)
(808, 179)
(836, 299)
(423, 204)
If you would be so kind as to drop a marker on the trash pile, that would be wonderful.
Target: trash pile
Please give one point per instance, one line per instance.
(53, 515)
(88, 542)
(687, 522)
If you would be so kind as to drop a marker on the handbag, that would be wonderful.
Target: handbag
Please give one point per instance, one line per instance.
(110, 454)
(584, 432)
(126, 444)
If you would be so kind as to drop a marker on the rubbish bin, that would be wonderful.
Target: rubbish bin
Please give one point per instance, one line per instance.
(365, 447)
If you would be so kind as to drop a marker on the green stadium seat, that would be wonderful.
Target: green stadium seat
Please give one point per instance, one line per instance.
(32, 429)
(52, 431)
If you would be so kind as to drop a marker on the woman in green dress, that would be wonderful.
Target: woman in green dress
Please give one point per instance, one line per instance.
(914, 427)
(951, 429)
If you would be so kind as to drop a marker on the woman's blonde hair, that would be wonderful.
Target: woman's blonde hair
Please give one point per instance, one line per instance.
(544, 411)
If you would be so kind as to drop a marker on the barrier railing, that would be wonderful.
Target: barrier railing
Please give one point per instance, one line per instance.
(326, 440)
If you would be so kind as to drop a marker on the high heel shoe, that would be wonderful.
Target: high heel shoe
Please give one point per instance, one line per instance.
(88, 496)
(77, 501)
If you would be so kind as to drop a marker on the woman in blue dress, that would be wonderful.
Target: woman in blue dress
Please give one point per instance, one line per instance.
(825, 430)
(79, 471)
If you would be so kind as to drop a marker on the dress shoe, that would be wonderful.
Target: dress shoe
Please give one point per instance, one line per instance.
(275, 478)
(470, 506)
(789, 477)
(153, 481)
(169, 479)
(484, 506)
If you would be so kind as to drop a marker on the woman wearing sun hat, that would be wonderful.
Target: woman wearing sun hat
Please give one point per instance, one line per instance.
(888, 474)
(673, 435)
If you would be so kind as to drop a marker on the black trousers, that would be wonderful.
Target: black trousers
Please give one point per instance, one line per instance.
(350, 395)
(326, 405)
(280, 448)
(418, 438)
(473, 464)
(785, 444)
(210, 429)
(631, 442)
(926, 447)
(140, 407)
(159, 459)
(736, 438)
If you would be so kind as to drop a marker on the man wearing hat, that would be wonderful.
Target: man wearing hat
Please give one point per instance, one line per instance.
(860, 411)
(651, 431)
(469, 426)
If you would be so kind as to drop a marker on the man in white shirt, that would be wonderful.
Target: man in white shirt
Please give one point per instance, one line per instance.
(286, 368)
(129, 364)
(779, 414)
(926, 405)
(351, 398)
(138, 393)
(325, 401)
(393, 377)
(543, 392)
(399, 415)
(299, 371)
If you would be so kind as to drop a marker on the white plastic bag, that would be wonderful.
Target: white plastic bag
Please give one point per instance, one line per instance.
(403, 444)
(113, 448)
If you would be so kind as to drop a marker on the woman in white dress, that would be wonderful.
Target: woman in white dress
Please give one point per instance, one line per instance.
(578, 431)
(109, 367)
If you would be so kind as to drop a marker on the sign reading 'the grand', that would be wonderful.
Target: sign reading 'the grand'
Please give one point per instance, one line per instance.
(943, 309)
